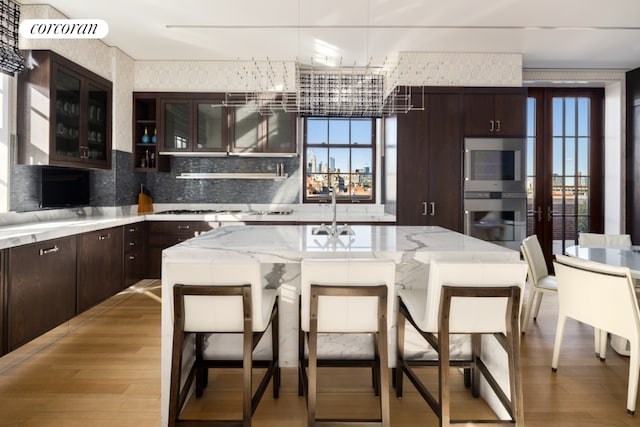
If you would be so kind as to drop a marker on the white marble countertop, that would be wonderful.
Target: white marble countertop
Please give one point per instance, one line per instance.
(281, 248)
(23, 228)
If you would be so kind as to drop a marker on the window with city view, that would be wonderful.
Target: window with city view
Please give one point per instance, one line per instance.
(339, 153)
(564, 139)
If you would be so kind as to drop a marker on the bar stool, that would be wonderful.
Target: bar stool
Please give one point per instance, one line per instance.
(465, 298)
(345, 296)
(232, 302)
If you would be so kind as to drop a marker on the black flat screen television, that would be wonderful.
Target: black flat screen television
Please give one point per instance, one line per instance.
(63, 187)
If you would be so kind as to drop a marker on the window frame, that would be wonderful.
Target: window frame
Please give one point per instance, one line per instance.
(348, 146)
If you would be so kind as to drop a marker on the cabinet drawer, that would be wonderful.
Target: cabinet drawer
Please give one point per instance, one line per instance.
(178, 227)
(133, 237)
(166, 240)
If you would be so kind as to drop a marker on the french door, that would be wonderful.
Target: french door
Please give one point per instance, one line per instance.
(564, 166)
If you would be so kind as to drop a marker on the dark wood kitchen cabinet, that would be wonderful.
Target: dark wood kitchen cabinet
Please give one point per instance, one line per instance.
(100, 267)
(429, 159)
(63, 113)
(495, 112)
(41, 288)
(163, 234)
(133, 253)
(193, 123)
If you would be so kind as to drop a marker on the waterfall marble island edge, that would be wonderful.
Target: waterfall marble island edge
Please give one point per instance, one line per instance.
(280, 249)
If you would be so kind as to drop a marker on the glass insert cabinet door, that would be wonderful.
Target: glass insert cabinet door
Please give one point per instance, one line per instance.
(246, 132)
(67, 115)
(98, 124)
(209, 127)
(269, 131)
(176, 128)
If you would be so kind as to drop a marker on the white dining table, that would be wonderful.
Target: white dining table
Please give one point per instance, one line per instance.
(619, 257)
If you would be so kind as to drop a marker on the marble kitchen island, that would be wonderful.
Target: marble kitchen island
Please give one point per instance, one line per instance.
(280, 250)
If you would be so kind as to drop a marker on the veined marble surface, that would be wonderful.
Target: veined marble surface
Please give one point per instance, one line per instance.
(29, 227)
(280, 250)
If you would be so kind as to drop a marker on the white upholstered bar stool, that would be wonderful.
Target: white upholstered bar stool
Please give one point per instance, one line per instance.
(539, 278)
(345, 296)
(232, 301)
(473, 298)
(604, 297)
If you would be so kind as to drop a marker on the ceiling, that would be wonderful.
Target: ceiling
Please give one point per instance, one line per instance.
(591, 34)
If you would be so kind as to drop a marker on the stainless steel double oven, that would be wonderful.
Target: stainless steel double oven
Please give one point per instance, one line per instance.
(495, 198)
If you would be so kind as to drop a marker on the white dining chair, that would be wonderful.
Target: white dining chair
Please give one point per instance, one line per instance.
(232, 301)
(539, 278)
(598, 240)
(465, 297)
(604, 240)
(604, 297)
(345, 296)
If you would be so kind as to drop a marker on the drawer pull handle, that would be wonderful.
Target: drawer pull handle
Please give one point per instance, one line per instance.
(105, 236)
(52, 250)
(132, 243)
(183, 227)
(131, 257)
(132, 229)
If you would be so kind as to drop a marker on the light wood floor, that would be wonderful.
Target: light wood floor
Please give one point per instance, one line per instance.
(103, 369)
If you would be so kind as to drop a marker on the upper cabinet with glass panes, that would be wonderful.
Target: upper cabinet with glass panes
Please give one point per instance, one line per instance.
(205, 123)
(64, 114)
(339, 153)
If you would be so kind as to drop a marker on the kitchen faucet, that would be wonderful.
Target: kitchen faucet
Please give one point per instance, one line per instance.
(333, 230)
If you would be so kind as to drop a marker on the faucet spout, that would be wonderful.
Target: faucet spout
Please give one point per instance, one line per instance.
(333, 230)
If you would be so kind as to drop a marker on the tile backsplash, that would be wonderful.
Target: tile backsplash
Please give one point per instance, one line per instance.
(120, 185)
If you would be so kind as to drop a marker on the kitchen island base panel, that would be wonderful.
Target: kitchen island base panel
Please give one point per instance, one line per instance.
(280, 249)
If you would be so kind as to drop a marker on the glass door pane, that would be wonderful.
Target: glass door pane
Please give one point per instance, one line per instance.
(280, 132)
(67, 116)
(245, 128)
(532, 213)
(209, 127)
(97, 129)
(176, 132)
(570, 166)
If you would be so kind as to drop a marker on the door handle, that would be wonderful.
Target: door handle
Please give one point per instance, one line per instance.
(539, 213)
(424, 208)
(497, 125)
(492, 126)
(432, 208)
(549, 213)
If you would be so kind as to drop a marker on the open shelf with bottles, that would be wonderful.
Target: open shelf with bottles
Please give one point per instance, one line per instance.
(146, 155)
